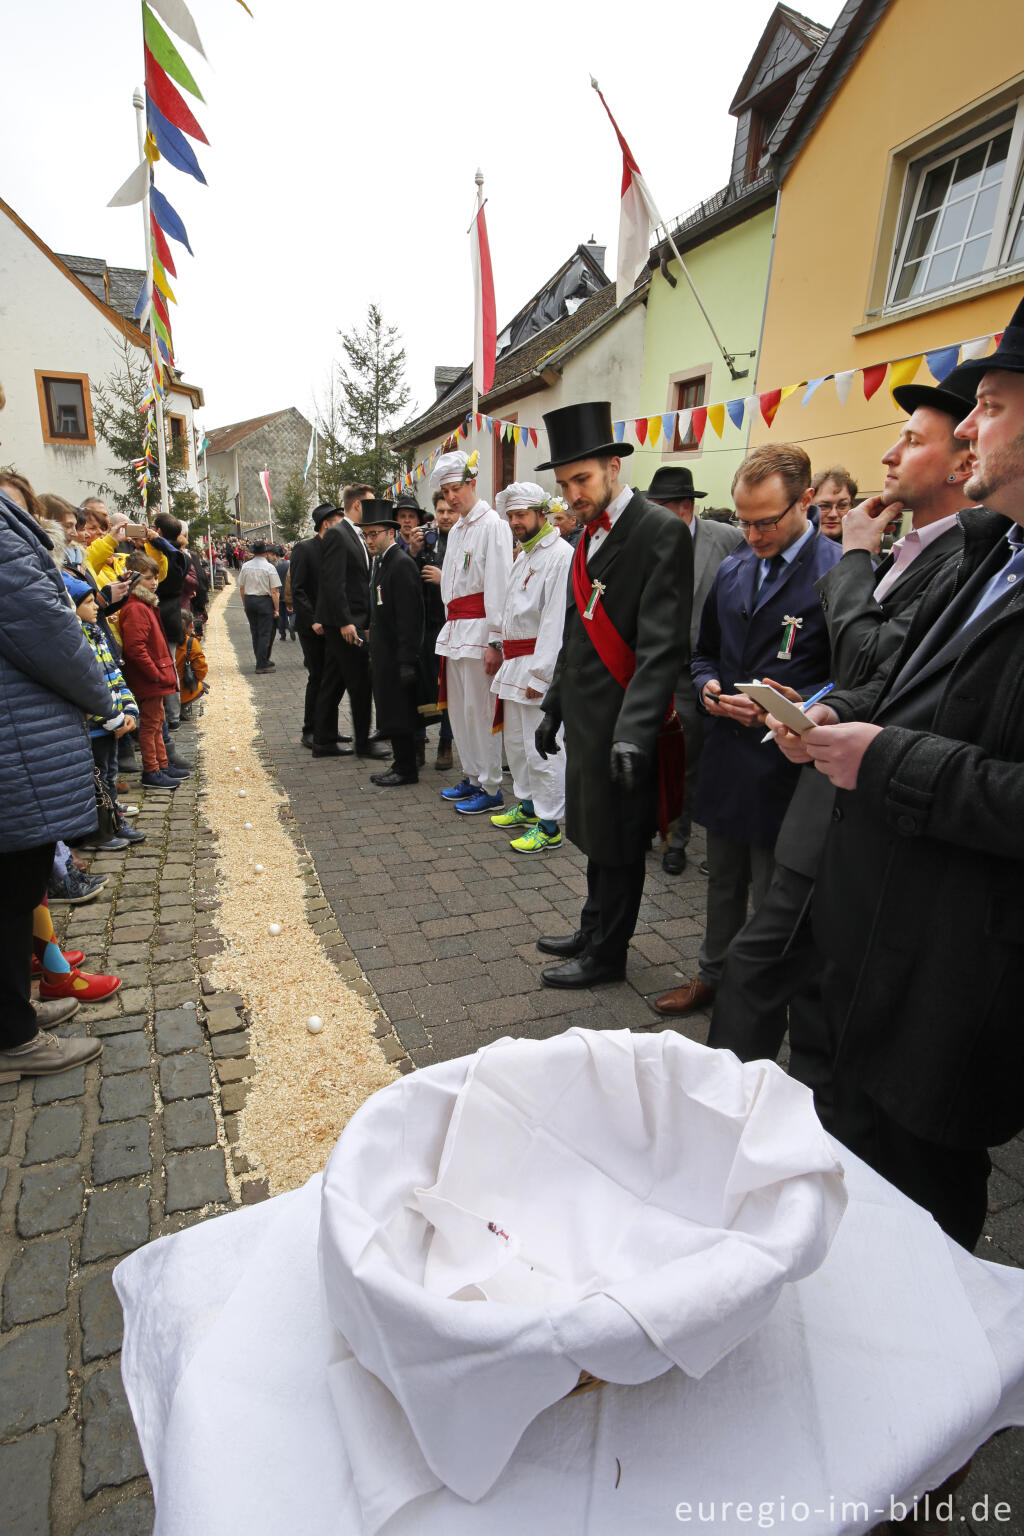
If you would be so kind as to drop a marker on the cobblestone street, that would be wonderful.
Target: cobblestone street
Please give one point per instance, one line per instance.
(434, 920)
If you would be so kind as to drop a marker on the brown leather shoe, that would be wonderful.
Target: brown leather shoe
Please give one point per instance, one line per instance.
(685, 999)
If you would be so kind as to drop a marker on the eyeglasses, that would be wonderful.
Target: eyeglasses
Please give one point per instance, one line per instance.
(842, 505)
(764, 524)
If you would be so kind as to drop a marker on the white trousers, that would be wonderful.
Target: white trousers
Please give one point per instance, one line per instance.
(535, 778)
(471, 712)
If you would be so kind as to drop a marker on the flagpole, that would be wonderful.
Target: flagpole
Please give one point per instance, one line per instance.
(270, 506)
(139, 103)
(209, 525)
(479, 179)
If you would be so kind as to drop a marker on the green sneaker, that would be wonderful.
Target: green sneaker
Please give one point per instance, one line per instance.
(536, 840)
(516, 817)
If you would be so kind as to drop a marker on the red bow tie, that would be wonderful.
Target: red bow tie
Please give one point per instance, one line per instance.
(604, 521)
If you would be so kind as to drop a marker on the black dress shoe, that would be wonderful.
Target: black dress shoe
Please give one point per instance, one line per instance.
(673, 861)
(373, 748)
(307, 739)
(332, 751)
(393, 778)
(568, 947)
(584, 972)
(343, 738)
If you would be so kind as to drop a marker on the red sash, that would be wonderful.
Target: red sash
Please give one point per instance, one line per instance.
(510, 650)
(620, 661)
(469, 607)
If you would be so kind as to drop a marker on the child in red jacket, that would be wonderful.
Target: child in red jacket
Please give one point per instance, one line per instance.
(149, 672)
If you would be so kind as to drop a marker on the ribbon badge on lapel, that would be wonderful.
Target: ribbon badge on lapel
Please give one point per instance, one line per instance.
(790, 625)
(594, 598)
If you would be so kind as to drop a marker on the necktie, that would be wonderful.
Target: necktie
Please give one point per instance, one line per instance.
(771, 575)
(604, 521)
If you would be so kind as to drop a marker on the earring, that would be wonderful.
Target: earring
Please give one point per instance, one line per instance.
(952, 479)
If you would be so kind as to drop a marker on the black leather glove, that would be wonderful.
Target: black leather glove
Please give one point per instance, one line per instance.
(627, 766)
(407, 677)
(546, 736)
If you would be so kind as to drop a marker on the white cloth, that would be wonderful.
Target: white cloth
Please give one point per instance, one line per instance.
(906, 550)
(477, 558)
(471, 716)
(257, 578)
(534, 609)
(877, 1376)
(614, 508)
(519, 497)
(449, 467)
(632, 1202)
(536, 778)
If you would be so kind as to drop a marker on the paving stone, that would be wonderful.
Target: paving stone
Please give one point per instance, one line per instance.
(8, 1091)
(116, 1024)
(222, 1021)
(50, 1198)
(176, 1029)
(116, 1222)
(110, 1448)
(231, 1045)
(184, 1077)
(53, 1132)
(121, 1098)
(174, 996)
(134, 999)
(36, 1284)
(125, 1053)
(190, 1123)
(7, 1121)
(101, 1316)
(233, 1071)
(134, 1517)
(195, 1179)
(232, 1098)
(33, 1379)
(25, 1471)
(255, 1190)
(121, 1151)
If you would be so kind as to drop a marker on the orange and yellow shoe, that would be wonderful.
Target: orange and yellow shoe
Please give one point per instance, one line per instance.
(74, 957)
(76, 984)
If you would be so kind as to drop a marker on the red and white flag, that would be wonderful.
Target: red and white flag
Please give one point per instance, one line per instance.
(485, 334)
(264, 475)
(637, 216)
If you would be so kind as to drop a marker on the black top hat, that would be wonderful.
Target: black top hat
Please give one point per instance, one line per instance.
(324, 511)
(378, 514)
(407, 501)
(672, 482)
(955, 394)
(1009, 355)
(259, 548)
(582, 432)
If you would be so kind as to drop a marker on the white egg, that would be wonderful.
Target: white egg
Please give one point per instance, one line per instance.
(314, 1024)
(241, 794)
(258, 868)
(274, 928)
(237, 769)
(248, 826)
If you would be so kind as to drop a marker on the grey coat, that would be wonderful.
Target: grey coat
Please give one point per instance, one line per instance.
(49, 681)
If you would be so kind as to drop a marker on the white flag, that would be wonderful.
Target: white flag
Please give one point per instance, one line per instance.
(134, 189)
(309, 453)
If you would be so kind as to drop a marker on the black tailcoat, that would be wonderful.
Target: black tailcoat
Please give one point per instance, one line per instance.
(396, 640)
(344, 593)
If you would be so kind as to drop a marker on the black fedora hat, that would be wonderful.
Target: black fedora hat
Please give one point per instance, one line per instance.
(324, 511)
(1008, 355)
(672, 482)
(407, 502)
(379, 514)
(582, 432)
(954, 395)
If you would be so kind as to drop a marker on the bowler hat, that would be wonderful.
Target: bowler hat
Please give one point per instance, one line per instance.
(582, 432)
(1008, 356)
(379, 514)
(323, 512)
(407, 501)
(259, 548)
(672, 482)
(955, 394)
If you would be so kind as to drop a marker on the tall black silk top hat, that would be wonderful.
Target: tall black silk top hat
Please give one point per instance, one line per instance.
(955, 394)
(379, 514)
(324, 510)
(582, 432)
(1009, 355)
(672, 482)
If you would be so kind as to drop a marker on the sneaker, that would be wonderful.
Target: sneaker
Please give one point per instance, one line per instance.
(159, 780)
(464, 790)
(75, 887)
(176, 770)
(105, 844)
(516, 817)
(46, 1053)
(536, 840)
(130, 834)
(75, 983)
(480, 803)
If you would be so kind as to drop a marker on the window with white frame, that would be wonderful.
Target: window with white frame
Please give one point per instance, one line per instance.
(961, 219)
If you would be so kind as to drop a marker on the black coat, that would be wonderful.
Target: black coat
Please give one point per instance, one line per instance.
(305, 582)
(344, 593)
(396, 642)
(646, 563)
(920, 899)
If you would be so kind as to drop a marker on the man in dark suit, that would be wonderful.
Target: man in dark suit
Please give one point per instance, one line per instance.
(396, 641)
(918, 907)
(672, 487)
(305, 586)
(762, 619)
(626, 636)
(773, 968)
(343, 610)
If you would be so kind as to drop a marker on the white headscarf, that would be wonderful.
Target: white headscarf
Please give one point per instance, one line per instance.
(519, 496)
(449, 467)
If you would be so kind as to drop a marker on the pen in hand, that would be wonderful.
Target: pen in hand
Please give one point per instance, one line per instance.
(804, 707)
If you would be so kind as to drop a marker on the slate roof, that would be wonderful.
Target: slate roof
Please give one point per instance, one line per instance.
(222, 439)
(117, 286)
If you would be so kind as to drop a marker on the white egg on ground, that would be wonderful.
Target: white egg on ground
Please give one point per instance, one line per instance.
(274, 929)
(314, 1024)
(247, 826)
(258, 869)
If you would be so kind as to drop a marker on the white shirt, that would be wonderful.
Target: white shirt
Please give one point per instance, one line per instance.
(907, 549)
(613, 509)
(534, 609)
(257, 578)
(477, 558)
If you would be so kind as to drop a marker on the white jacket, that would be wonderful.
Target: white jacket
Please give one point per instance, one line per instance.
(535, 609)
(477, 558)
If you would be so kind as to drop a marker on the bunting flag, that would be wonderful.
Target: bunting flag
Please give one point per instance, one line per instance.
(770, 402)
(668, 427)
(310, 452)
(942, 362)
(161, 248)
(812, 388)
(654, 429)
(485, 321)
(152, 152)
(133, 190)
(698, 421)
(160, 279)
(170, 101)
(142, 300)
(716, 417)
(264, 479)
(736, 408)
(873, 378)
(637, 214)
(165, 53)
(178, 18)
(971, 350)
(683, 423)
(903, 372)
(167, 219)
(844, 383)
(172, 143)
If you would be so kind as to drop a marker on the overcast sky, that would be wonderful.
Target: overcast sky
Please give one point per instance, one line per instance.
(343, 145)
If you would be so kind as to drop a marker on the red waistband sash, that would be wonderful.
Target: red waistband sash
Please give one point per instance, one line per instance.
(510, 649)
(620, 661)
(469, 607)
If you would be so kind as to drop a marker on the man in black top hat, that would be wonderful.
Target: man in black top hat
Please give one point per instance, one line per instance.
(396, 641)
(305, 586)
(672, 487)
(343, 609)
(626, 637)
(918, 906)
(424, 544)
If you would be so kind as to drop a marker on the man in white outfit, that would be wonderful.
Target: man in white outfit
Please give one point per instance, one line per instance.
(531, 637)
(474, 576)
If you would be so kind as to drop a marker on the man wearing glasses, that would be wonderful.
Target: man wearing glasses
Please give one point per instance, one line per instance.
(835, 492)
(762, 619)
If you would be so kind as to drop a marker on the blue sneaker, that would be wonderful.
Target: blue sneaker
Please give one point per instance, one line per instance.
(463, 791)
(480, 803)
(158, 780)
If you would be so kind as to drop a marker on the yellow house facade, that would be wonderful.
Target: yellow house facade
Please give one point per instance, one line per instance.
(901, 217)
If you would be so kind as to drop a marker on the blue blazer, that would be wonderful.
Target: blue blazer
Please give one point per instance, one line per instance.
(745, 787)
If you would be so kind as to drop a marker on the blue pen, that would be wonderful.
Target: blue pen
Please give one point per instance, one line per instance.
(804, 707)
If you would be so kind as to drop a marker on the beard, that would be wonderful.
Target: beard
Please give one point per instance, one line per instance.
(587, 510)
(997, 471)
